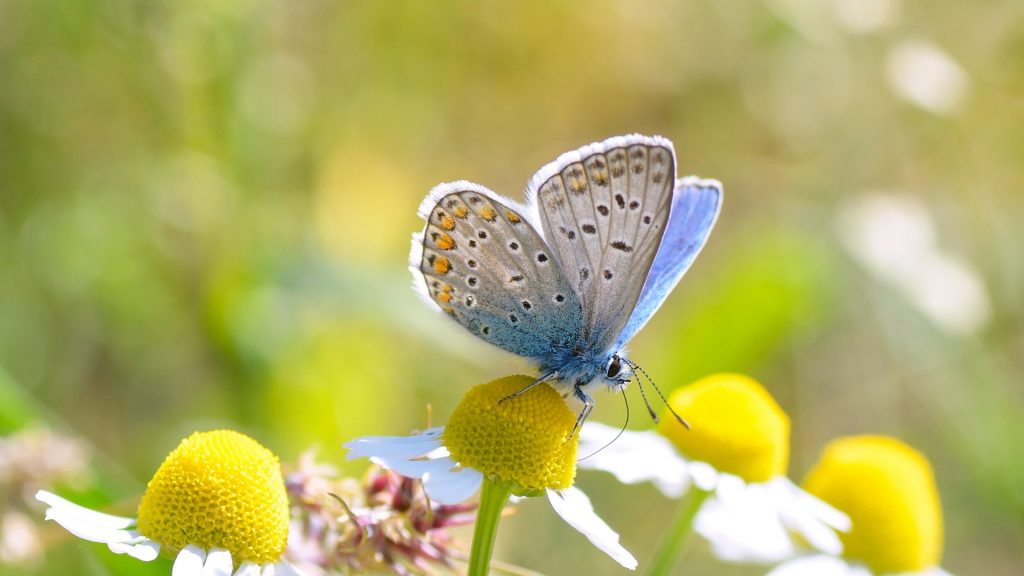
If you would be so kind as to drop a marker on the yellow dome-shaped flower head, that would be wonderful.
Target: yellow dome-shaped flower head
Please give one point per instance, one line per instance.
(735, 426)
(524, 440)
(888, 490)
(218, 489)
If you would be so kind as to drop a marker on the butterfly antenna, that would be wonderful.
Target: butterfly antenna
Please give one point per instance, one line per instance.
(643, 394)
(637, 367)
(617, 436)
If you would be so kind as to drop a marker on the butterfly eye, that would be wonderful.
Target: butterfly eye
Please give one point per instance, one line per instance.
(614, 367)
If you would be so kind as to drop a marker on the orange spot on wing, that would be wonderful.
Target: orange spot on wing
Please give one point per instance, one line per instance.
(441, 265)
(512, 217)
(461, 211)
(445, 242)
(488, 213)
(447, 222)
(444, 297)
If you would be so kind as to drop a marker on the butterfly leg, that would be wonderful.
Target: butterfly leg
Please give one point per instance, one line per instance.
(588, 407)
(545, 378)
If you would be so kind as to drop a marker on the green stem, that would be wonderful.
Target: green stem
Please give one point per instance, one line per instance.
(674, 543)
(493, 496)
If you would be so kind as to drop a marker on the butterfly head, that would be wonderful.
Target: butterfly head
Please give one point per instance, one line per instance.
(618, 371)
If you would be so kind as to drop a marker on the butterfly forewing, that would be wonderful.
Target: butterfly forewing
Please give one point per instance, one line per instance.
(604, 209)
(484, 264)
(695, 207)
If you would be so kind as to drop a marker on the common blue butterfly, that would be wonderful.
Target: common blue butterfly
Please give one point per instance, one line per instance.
(569, 277)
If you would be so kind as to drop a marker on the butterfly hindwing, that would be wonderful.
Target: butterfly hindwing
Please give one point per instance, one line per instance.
(603, 209)
(482, 262)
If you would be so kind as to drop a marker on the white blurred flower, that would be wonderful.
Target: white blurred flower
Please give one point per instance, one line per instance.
(863, 16)
(922, 74)
(19, 539)
(894, 237)
(825, 21)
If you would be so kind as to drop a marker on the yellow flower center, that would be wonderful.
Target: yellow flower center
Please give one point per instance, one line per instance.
(735, 425)
(888, 490)
(521, 440)
(218, 489)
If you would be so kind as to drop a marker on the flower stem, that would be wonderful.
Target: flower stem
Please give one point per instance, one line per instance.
(493, 496)
(675, 539)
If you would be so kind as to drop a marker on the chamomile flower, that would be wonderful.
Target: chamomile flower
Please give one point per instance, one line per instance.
(519, 446)
(888, 490)
(732, 461)
(217, 504)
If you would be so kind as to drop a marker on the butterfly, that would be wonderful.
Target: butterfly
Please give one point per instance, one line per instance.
(570, 276)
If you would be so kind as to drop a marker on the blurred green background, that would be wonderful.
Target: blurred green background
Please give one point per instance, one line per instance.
(205, 211)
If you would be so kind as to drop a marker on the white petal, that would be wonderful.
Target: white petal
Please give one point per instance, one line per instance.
(140, 548)
(411, 456)
(88, 531)
(754, 522)
(65, 508)
(189, 561)
(417, 468)
(818, 535)
(859, 570)
(728, 486)
(704, 475)
(247, 568)
(285, 569)
(635, 457)
(395, 447)
(574, 507)
(819, 508)
(807, 516)
(451, 486)
(742, 525)
(218, 563)
(813, 566)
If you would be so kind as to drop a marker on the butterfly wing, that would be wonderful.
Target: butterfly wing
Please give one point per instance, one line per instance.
(695, 207)
(481, 262)
(603, 209)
